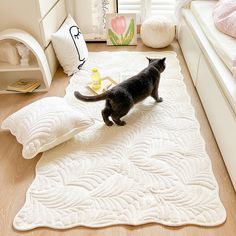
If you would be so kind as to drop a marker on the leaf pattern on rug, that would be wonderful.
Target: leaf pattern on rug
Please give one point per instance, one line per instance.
(155, 169)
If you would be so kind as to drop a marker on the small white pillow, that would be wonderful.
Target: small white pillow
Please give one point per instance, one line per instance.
(69, 46)
(44, 124)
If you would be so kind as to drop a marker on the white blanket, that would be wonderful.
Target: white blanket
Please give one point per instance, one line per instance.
(154, 169)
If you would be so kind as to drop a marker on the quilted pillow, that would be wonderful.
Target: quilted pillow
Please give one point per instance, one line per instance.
(224, 16)
(69, 46)
(44, 124)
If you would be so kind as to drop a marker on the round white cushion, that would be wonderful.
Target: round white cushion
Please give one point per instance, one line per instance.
(157, 32)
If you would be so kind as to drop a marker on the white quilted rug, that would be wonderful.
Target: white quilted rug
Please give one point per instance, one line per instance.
(154, 169)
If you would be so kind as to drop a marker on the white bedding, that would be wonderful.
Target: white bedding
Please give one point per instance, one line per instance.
(154, 169)
(224, 45)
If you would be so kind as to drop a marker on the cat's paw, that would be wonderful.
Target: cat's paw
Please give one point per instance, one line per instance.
(121, 123)
(160, 99)
(109, 123)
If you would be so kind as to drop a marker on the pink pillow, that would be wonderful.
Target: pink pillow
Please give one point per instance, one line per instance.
(224, 16)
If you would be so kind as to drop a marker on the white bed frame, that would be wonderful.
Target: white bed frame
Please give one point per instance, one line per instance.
(214, 84)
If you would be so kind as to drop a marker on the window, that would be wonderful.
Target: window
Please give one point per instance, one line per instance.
(146, 8)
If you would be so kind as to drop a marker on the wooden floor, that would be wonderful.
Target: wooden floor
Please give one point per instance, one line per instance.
(16, 173)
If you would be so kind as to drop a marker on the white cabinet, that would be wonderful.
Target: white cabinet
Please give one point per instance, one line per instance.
(190, 47)
(219, 113)
(45, 6)
(37, 70)
(40, 18)
(215, 87)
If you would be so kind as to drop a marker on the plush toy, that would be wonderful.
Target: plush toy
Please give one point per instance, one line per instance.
(24, 53)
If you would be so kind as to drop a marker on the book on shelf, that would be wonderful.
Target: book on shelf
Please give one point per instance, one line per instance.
(23, 86)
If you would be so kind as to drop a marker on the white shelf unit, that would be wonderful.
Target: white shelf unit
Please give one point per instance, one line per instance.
(40, 18)
(33, 66)
(38, 69)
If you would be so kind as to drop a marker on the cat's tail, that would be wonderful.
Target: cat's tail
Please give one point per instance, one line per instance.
(90, 98)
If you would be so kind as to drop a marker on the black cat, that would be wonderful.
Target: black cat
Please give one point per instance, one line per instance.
(121, 98)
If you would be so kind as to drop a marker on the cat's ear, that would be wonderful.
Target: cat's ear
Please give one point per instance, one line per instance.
(149, 60)
(161, 61)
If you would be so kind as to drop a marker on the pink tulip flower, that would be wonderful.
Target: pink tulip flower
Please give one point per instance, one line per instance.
(118, 24)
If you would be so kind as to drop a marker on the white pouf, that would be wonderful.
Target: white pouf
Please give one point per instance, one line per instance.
(157, 32)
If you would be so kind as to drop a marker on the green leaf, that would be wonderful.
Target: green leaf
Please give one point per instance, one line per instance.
(113, 37)
(129, 34)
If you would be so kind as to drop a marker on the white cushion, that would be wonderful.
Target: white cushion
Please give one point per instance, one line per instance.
(44, 124)
(69, 46)
(157, 32)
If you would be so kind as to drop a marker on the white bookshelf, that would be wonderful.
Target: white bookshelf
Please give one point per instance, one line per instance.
(38, 69)
(6, 67)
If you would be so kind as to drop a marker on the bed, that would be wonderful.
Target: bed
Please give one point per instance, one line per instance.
(209, 54)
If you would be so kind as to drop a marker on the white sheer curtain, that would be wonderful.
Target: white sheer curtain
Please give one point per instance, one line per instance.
(90, 16)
